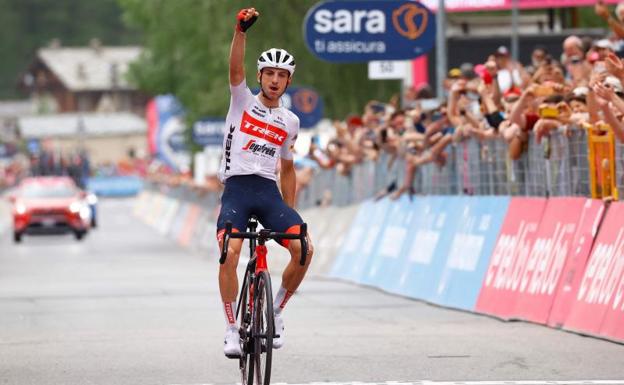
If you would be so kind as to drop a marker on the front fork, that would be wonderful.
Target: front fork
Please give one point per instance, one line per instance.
(261, 265)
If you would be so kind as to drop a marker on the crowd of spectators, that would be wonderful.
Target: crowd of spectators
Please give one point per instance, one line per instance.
(497, 99)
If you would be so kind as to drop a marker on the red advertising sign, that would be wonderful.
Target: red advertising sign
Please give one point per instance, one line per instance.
(491, 5)
(578, 254)
(599, 305)
(543, 267)
(151, 116)
(510, 256)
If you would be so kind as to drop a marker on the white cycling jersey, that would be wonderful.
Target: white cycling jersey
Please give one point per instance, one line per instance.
(255, 136)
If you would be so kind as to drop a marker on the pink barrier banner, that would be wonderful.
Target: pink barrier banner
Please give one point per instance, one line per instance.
(578, 253)
(192, 216)
(599, 305)
(508, 262)
(541, 271)
(491, 5)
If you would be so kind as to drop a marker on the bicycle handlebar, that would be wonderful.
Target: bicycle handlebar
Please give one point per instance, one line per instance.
(265, 234)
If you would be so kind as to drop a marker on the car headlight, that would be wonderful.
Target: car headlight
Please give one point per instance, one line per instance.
(20, 208)
(75, 207)
(85, 212)
(92, 199)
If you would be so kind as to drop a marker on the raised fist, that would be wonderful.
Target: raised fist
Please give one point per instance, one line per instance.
(245, 18)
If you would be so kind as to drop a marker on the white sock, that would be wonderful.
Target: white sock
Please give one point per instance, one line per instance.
(229, 310)
(281, 298)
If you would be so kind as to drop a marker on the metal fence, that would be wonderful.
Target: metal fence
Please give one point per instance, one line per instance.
(556, 167)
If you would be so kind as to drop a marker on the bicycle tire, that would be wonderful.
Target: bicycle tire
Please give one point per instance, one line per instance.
(244, 319)
(263, 328)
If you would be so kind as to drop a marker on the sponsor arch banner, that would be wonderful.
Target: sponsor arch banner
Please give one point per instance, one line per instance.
(496, 5)
(359, 31)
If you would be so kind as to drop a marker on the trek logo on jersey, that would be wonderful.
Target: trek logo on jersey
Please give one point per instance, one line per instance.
(259, 129)
(260, 149)
(228, 148)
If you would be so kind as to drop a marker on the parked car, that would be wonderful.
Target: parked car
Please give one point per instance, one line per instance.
(49, 205)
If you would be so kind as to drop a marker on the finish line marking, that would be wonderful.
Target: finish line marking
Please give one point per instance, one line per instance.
(502, 382)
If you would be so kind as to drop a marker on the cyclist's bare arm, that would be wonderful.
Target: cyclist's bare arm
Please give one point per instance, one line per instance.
(237, 50)
(288, 181)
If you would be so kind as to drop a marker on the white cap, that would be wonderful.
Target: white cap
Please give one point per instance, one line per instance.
(604, 43)
(615, 83)
(580, 91)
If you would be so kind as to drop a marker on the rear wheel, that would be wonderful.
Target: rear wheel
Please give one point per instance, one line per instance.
(17, 237)
(79, 235)
(263, 328)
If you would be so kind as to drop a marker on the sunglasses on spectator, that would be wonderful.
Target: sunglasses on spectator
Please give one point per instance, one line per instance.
(511, 99)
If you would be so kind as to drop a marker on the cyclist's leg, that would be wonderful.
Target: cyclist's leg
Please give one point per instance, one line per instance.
(234, 208)
(278, 216)
(293, 273)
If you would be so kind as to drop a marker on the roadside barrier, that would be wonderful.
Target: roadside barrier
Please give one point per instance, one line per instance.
(115, 186)
(190, 220)
(5, 216)
(431, 248)
(551, 261)
(554, 261)
(598, 307)
(558, 166)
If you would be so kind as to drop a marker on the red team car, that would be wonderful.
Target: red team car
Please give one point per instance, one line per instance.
(49, 205)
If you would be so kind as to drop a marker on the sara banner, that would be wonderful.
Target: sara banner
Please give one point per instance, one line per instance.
(359, 31)
(491, 5)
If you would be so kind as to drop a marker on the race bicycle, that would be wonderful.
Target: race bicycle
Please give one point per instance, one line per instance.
(255, 302)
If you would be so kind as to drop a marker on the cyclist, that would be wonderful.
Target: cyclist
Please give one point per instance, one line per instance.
(259, 132)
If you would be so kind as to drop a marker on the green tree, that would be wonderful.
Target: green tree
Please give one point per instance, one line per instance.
(188, 45)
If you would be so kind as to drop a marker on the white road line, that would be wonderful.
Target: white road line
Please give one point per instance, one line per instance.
(501, 382)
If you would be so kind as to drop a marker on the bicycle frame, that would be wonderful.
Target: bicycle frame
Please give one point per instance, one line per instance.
(257, 277)
(258, 260)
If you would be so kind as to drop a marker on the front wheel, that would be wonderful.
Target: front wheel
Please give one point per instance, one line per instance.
(244, 320)
(17, 237)
(263, 328)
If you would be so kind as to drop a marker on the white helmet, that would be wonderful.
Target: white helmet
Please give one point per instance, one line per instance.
(277, 58)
